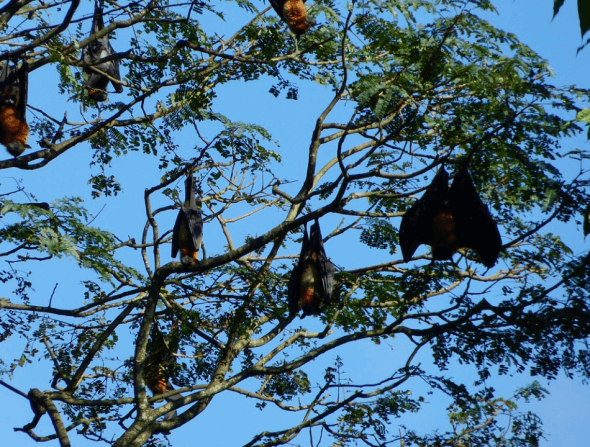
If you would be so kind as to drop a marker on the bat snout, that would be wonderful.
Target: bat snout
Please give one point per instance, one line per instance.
(16, 148)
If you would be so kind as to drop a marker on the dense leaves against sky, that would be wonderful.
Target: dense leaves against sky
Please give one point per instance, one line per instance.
(396, 89)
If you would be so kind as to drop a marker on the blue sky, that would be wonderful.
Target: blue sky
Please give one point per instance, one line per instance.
(566, 412)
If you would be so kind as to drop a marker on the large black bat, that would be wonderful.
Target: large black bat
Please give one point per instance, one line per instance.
(294, 14)
(96, 83)
(14, 130)
(159, 362)
(448, 219)
(312, 279)
(188, 228)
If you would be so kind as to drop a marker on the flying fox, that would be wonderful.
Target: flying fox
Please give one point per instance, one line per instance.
(448, 219)
(96, 83)
(158, 364)
(188, 228)
(14, 129)
(312, 279)
(294, 14)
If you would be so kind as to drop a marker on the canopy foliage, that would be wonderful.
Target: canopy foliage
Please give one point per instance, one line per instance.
(392, 90)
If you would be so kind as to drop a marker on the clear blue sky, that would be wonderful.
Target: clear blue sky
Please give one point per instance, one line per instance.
(566, 412)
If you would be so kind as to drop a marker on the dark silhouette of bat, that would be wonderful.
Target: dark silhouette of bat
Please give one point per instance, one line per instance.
(14, 130)
(159, 362)
(96, 83)
(312, 279)
(188, 228)
(294, 14)
(448, 219)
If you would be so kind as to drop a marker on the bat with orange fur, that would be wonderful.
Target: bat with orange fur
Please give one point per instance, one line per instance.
(448, 219)
(187, 235)
(101, 48)
(312, 280)
(14, 130)
(294, 14)
(158, 364)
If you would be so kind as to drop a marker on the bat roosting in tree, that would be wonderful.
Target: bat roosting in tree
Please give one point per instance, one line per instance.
(14, 130)
(97, 50)
(448, 219)
(188, 228)
(312, 279)
(159, 362)
(294, 14)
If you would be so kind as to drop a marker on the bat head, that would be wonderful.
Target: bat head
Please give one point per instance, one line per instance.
(98, 95)
(16, 148)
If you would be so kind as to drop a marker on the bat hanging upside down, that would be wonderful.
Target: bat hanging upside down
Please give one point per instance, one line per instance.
(188, 228)
(448, 219)
(158, 364)
(294, 14)
(14, 129)
(96, 83)
(312, 279)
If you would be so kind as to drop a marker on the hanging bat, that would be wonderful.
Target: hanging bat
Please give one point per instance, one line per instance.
(294, 14)
(312, 279)
(188, 228)
(14, 130)
(96, 83)
(158, 364)
(448, 219)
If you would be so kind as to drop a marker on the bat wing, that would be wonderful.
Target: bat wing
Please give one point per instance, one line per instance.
(188, 228)
(327, 271)
(294, 290)
(7, 85)
(278, 7)
(113, 71)
(586, 225)
(325, 267)
(195, 225)
(23, 86)
(13, 87)
(476, 228)
(98, 50)
(180, 220)
(416, 226)
(294, 287)
(159, 362)
(4, 74)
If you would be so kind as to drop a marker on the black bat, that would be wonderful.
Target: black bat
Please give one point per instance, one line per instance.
(312, 279)
(188, 228)
(294, 14)
(158, 364)
(14, 129)
(96, 83)
(448, 219)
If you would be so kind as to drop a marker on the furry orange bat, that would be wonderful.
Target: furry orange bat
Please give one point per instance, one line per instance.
(188, 228)
(448, 219)
(158, 363)
(312, 280)
(294, 14)
(14, 129)
(96, 83)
